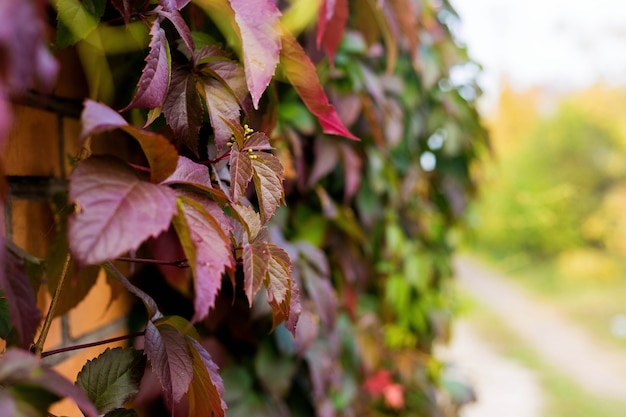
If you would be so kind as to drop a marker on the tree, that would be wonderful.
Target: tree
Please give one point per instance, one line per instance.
(303, 244)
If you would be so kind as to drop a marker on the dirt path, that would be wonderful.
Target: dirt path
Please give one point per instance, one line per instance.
(492, 377)
(599, 369)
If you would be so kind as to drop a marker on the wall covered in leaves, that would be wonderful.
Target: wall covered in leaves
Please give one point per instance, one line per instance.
(294, 177)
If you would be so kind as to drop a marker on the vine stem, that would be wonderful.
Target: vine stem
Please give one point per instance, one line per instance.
(92, 344)
(179, 263)
(38, 348)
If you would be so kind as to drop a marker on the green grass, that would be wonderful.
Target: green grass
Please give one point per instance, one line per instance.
(561, 397)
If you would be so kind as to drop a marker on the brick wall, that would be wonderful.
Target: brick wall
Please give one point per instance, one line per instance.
(37, 163)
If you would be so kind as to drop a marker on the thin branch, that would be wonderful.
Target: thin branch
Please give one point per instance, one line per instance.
(38, 348)
(92, 344)
(140, 168)
(179, 263)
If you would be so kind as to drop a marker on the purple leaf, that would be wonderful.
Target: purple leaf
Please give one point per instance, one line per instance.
(97, 117)
(268, 182)
(189, 172)
(173, 4)
(240, 173)
(203, 231)
(170, 358)
(205, 392)
(295, 309)
(160, 153)
(155, 77)
(256, 263)
(301, 73)
(174, 16)
(352, 164)
(258, 22)
(167, 246)
(183, 108)
(257, 141)
(116, 211)
(315, 273)
(20, 367)
(23, 310)
(26, 61)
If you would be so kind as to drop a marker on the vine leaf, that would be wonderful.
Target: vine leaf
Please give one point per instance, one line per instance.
(171, 13)
(20, 296)
(113, 378)
(182, 107)
(203, 230)
(259, 27)
(155, 77)
(206, 389)
(225, 90)
(301, 73)
(170, 359)
(182, 366)
(278, 285)
(116, 211)
(22, 370)
(241, 172)
(256, 264)
(332, 19)
(249, 219)
(189, 174)
(151, 307)
(160, 153)
(268, 182)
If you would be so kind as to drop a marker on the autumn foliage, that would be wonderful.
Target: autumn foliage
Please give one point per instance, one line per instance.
(298, 172)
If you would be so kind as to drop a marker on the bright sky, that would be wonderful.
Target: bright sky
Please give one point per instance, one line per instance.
(558, 44)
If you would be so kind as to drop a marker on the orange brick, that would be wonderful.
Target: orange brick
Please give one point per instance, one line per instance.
(94, 311)
(32, 224)
(32, 148)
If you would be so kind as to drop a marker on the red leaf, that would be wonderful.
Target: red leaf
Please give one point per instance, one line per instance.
(20, 367)
(258, 22)
(170, 358)
(240, 173)
(301, 73)
(268, 182)
(116, 211)
(155, 77)
(256, 263)
(23, 310)
(160, 153)
(203, 231)
(183, 109)
(334, 15)
(205, 391)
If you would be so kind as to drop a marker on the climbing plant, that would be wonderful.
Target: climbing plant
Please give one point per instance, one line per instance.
(298, 174)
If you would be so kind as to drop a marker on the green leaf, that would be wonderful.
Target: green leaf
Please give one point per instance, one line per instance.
(77, 19)
(113, 378)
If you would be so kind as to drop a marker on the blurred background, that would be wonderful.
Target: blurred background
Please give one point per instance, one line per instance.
(543, 278)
